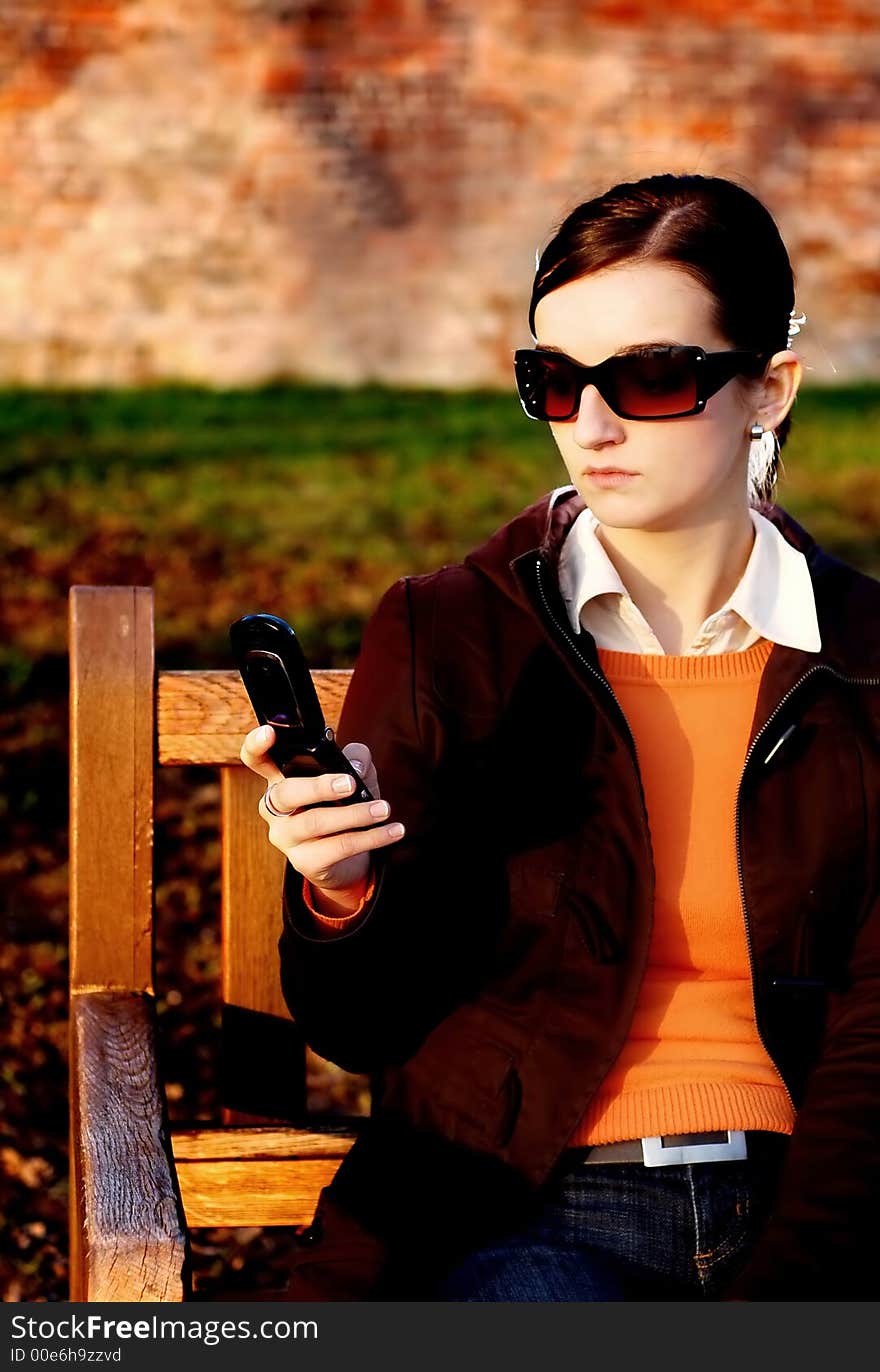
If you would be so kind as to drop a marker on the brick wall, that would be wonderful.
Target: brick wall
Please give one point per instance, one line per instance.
(240, 189)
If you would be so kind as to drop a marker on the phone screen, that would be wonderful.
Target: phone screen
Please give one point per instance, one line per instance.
(271, 690)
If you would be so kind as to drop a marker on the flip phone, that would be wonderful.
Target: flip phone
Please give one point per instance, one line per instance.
(276, 677)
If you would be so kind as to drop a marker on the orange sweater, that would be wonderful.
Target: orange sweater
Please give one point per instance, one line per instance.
(693, 1060)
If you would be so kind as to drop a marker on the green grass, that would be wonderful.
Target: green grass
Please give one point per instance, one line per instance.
(310, 500)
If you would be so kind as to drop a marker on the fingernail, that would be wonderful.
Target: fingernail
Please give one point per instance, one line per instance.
(263, 733)
(342, 784)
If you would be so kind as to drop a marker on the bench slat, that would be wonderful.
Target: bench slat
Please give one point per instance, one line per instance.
(203, 716)
(201, 1144)
(253, 1176)
(252, 877)
(248, 1193)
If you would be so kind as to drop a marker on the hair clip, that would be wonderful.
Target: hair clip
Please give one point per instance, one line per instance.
(794, 327)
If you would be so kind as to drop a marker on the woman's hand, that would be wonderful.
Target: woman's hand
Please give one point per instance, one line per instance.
(329, 845)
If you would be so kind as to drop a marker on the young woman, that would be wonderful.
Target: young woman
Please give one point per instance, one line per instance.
(617, 981)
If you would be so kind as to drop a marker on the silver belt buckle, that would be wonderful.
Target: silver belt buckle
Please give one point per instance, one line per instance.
(655, 1155)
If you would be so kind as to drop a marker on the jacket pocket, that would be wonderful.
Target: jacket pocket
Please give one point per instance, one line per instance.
(533, 888)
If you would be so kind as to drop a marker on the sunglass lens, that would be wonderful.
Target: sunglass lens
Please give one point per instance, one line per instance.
(655, 384)
(547, 386)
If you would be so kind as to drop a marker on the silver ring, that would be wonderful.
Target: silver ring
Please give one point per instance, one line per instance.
(279, 814)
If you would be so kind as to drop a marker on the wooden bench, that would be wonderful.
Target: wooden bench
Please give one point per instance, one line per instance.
(136, 1183)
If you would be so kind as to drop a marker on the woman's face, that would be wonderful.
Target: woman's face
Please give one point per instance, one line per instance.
(690, 470)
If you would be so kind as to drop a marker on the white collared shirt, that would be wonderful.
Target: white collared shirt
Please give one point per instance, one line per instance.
(774, 598)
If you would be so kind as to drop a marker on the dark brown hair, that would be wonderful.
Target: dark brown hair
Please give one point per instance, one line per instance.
(715, 230)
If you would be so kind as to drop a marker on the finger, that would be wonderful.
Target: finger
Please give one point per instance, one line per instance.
(293, 793)
(361, 759)
(315, 858)
(322, 820)
(255, 753)
(269, 809)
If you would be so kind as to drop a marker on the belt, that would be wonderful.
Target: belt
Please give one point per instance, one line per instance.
(722, 1145)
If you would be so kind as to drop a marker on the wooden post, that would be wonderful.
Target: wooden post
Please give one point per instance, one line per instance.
(111, 788)
(111, 822)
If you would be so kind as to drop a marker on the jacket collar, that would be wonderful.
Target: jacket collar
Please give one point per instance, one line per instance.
(847, 601)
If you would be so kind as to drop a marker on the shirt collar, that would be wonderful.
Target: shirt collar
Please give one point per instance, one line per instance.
(774, 595)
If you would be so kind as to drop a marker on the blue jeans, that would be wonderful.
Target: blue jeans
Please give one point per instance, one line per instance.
(623, 1231)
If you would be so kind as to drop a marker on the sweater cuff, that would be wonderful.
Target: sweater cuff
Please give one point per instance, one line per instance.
(343, 921)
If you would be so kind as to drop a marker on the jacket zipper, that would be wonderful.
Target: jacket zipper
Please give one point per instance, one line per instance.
(598, 675)
(819, 667)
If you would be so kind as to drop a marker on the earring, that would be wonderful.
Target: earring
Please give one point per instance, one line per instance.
(763, 462)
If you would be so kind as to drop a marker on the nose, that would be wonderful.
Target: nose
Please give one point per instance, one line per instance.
(596, 425)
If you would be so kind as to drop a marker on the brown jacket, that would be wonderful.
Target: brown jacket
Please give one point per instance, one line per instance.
(491, 984)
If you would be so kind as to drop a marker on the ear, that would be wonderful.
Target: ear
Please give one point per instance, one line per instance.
(776, 393)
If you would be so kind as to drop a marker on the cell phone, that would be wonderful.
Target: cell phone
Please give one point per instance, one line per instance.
(276, 677)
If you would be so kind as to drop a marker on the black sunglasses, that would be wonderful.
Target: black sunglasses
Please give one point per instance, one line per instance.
(664, 382)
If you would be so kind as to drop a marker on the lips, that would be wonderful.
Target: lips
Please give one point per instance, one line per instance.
(609, 471)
